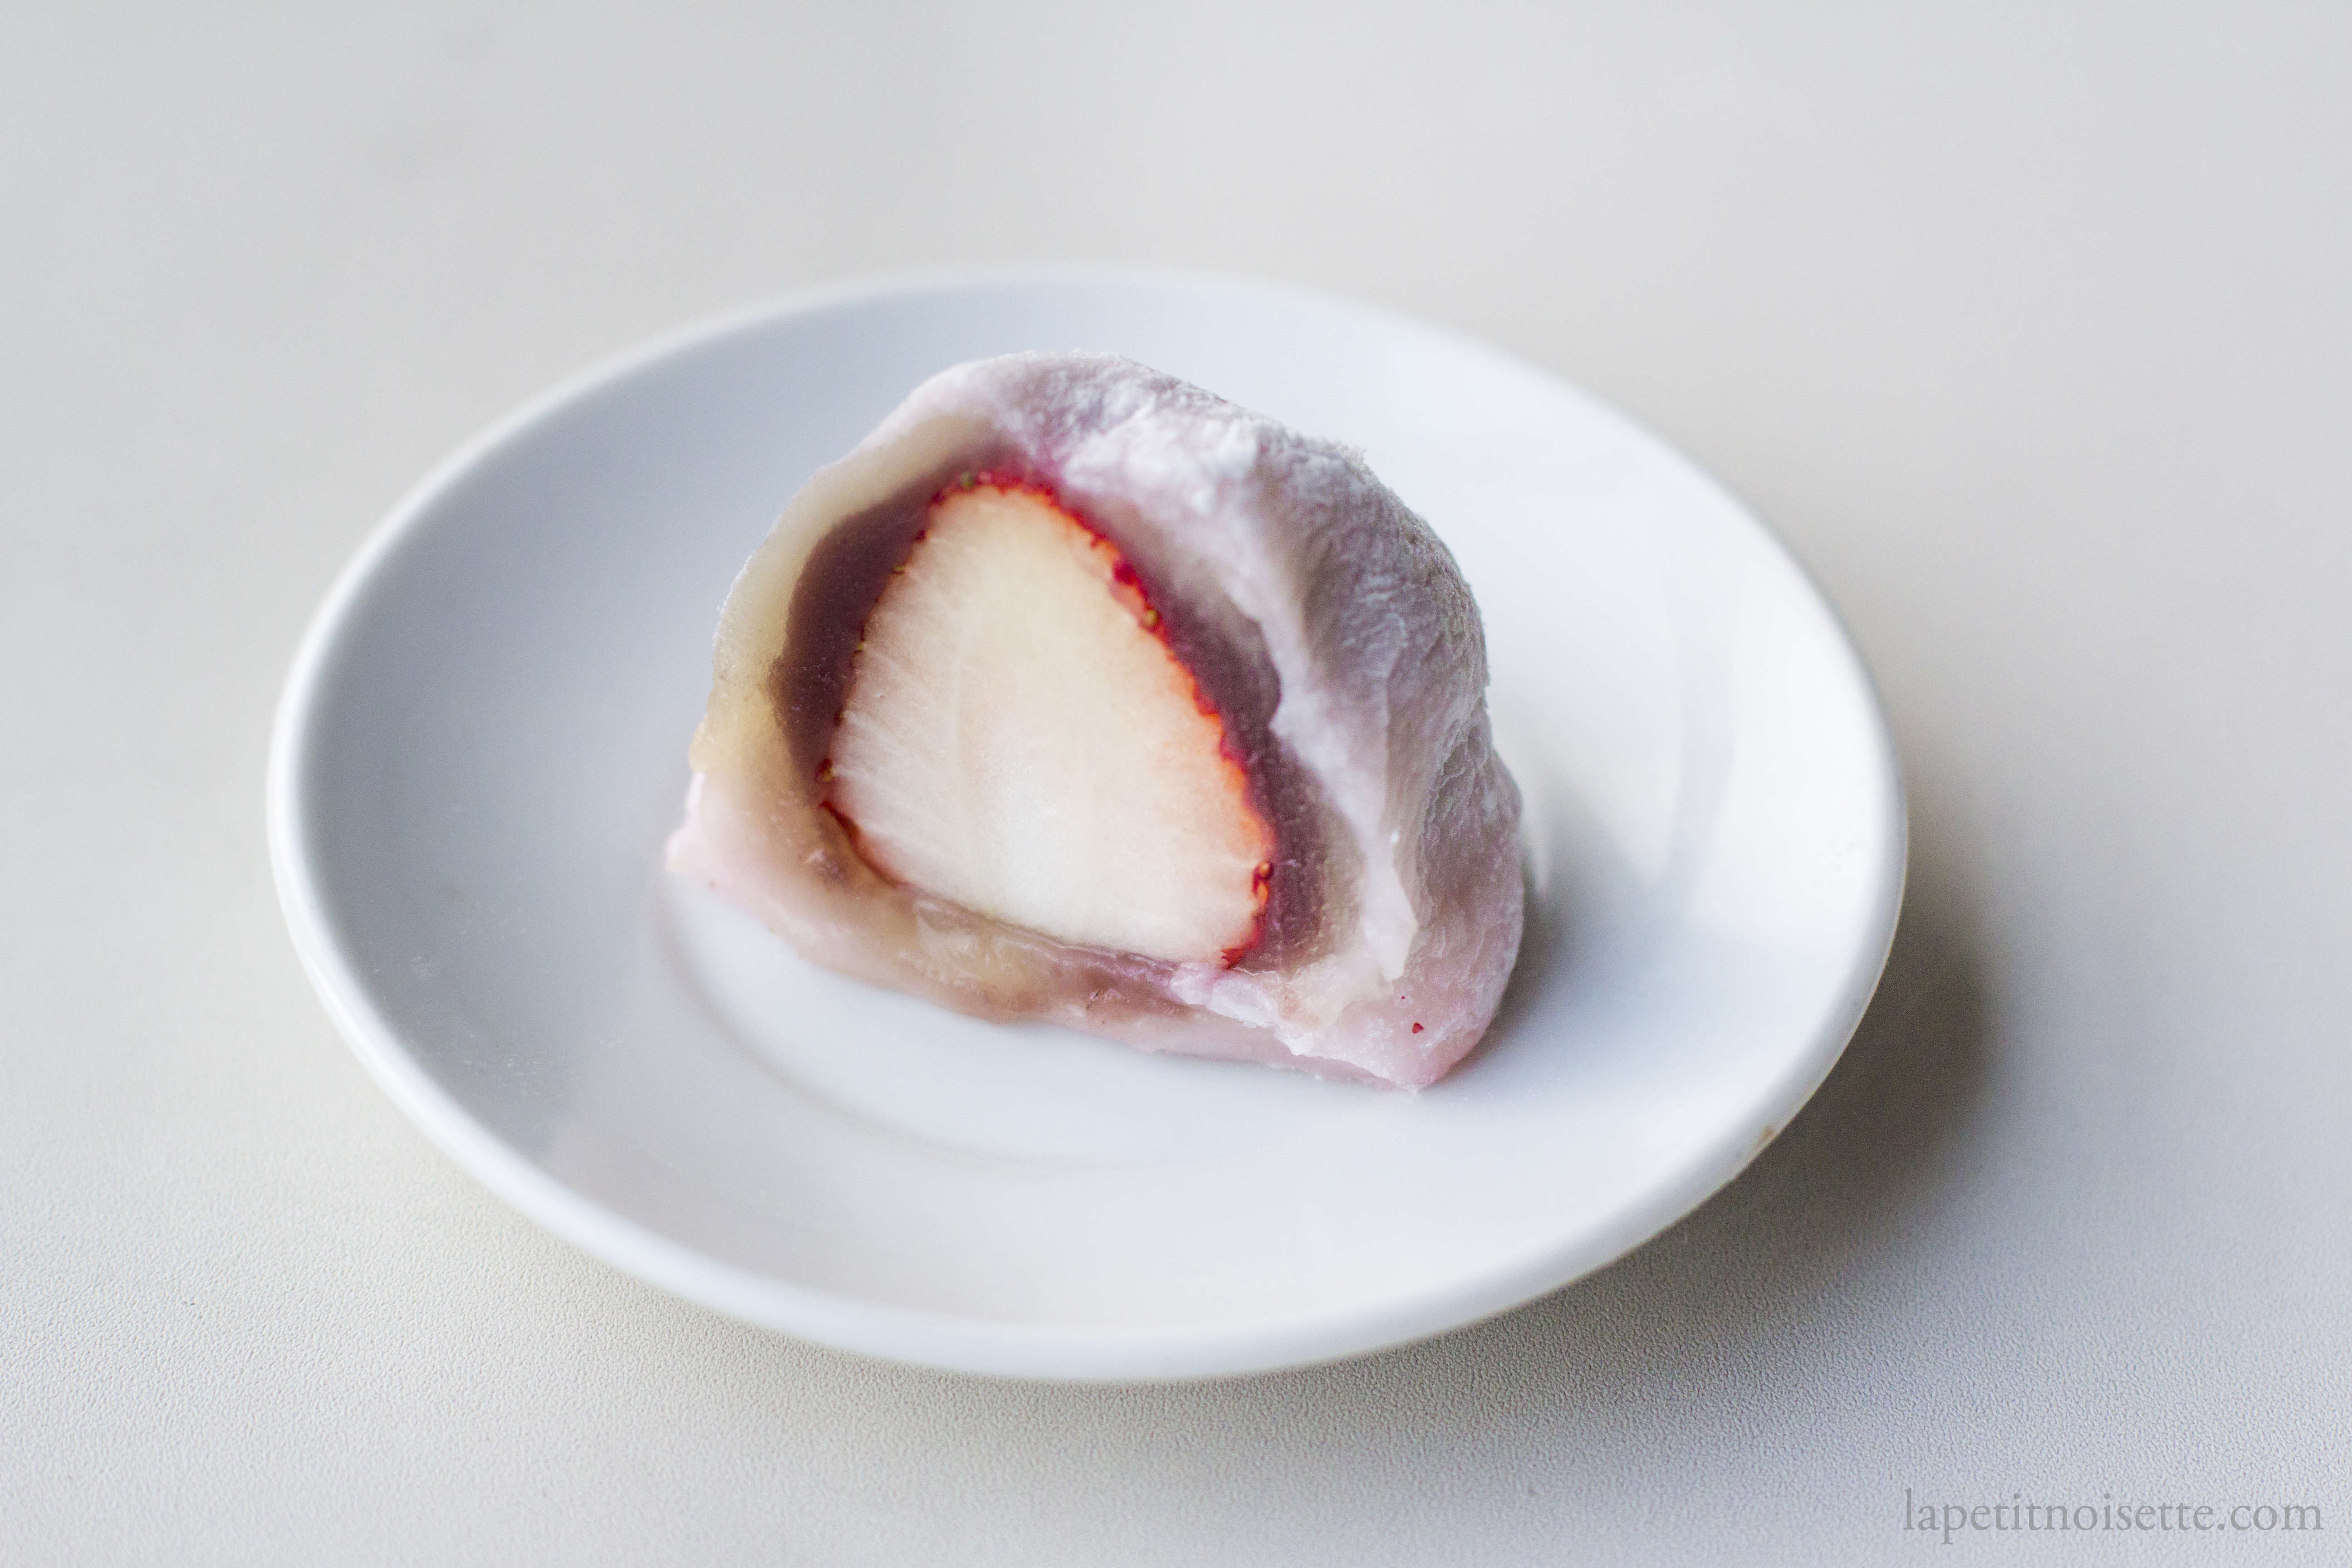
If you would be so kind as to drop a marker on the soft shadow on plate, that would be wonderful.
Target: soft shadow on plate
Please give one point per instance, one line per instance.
(1825, 1206)
(1830, 1197)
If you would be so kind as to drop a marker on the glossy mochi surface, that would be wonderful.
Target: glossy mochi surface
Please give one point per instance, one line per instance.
(1075, 692)
(1017, 739)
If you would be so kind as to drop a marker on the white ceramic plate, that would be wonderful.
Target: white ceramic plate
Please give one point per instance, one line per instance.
(483, 743)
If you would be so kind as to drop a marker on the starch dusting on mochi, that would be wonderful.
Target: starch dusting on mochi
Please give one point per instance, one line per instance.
(1077, 693)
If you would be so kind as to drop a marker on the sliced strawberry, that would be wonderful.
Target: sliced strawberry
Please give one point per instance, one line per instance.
(1018, 738)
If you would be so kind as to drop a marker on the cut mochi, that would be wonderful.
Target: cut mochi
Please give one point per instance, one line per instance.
(1018, 739)
(1077, 693)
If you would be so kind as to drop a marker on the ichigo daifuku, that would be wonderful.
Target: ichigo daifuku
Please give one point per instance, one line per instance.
(1077, 693)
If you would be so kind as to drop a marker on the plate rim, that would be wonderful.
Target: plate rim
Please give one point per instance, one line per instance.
(941, 1341)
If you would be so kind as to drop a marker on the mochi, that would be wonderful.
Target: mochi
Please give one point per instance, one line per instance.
(1077, 693)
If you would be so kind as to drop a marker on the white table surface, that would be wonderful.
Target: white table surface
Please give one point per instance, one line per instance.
(2031, 332)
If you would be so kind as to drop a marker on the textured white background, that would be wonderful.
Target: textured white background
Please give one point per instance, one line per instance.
(2031, 331)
